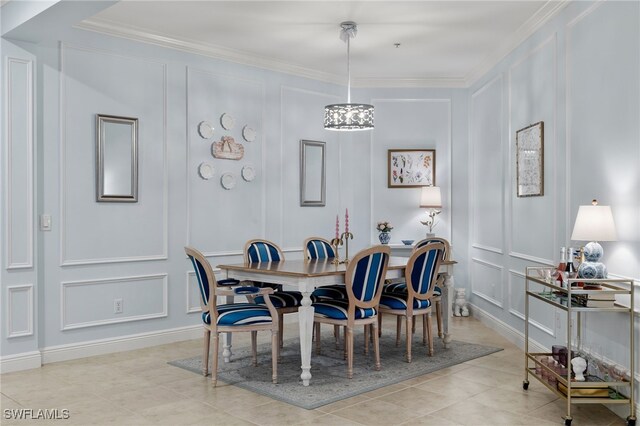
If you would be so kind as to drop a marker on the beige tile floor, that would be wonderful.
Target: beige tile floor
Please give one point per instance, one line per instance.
(140, 388)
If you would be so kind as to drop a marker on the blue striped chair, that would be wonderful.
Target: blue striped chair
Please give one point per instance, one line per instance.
(364, 279)
(285, 301)
(421, 274)
(232, 317)
(401, 287)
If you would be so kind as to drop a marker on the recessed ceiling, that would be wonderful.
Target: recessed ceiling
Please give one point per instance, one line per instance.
(442, 43)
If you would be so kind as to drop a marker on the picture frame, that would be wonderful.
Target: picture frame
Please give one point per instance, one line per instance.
(116, 159)
(530, 161)
(411, 168)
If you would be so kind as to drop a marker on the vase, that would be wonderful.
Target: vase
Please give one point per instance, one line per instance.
(384, 237)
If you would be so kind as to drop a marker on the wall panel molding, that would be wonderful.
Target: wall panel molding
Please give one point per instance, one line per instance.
(28, 310)
(551, 332)
(64, 261)
(13, 174)
(487, 248)
(64, 286)
(490, 299)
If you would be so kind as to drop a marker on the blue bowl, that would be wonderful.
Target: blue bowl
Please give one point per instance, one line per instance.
(407, 242)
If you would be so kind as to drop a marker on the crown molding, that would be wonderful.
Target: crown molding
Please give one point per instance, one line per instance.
(434, 82)
(550, 9)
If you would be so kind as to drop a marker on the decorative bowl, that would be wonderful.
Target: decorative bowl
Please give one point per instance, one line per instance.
(407, 242)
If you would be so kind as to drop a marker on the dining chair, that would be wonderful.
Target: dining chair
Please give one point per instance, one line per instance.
(232, 317)
(421, 275)
(401, 286)
(285, 301)
(364, 278)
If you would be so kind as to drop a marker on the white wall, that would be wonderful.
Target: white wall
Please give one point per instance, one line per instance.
(580, 74)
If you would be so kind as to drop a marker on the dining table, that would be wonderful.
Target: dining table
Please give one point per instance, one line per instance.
(307, 275)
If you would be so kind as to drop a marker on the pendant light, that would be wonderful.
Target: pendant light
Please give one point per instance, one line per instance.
(348, 117)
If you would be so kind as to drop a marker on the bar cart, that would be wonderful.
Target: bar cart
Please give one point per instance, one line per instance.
(573, 298)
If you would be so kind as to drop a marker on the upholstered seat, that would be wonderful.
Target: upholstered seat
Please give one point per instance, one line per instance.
(363, 278)
(282, 299)
(401, 288)
(421, 275)
(232, 317)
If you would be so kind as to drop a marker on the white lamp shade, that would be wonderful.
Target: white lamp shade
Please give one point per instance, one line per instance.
(430, 197)
(594, 223)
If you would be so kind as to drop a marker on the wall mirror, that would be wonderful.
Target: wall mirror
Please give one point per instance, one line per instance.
(116, 159)
(312, 173)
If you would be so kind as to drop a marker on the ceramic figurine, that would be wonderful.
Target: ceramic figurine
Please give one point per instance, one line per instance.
(578, 365)
(460, 308)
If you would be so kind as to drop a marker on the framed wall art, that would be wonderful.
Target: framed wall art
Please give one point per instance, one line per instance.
(530, 160)
(411, 168)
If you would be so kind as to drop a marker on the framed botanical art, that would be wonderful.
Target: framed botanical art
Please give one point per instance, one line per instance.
(530, 160)
(411, 168)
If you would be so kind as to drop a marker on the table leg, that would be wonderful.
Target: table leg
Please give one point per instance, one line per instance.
(305, 318)
(446, 307)
(226, 338)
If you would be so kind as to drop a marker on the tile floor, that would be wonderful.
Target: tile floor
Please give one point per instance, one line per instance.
(140, 388)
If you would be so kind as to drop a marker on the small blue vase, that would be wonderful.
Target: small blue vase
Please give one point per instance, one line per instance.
(384, 237)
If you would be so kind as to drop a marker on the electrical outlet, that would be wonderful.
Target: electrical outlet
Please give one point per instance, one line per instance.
(117, 306)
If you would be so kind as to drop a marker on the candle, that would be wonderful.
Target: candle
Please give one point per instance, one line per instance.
(346, 220)
(337, 227)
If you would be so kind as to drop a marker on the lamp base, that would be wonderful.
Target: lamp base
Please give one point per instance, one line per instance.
(591, 270)
(430, 234)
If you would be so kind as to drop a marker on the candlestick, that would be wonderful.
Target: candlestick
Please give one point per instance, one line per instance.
(346, 237)
(346, 220)
(336, 243)
(337, 227)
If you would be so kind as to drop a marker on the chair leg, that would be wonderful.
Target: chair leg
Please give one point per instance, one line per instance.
(409, 321)
(399, 329)
(275, 354)
(349, 353)
(430, 336)
(439, 317)
(379, 324)
(424, 330)
(205, 353)
(336, 335)
(280, 327)
(318, 345)
(376, 345)
(366, 339)
(216, 346)
(413, 326)
(346, 349)
(254, 348)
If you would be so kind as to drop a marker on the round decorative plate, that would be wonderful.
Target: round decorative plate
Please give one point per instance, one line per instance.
(227, 121)
(205, 129)
(228, 181)
(206, 171)
(248, 134)
(248, 173)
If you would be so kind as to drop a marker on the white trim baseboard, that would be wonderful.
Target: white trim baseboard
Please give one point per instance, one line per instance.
(19, 362)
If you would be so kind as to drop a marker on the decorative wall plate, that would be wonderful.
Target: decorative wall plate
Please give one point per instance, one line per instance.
(206, 171)
(227, 121)
(227, 148)
(205, 129)
(248, 134)
(248, 173)
(228, 181)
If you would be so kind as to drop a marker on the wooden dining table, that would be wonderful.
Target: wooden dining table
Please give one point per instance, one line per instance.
(305, 276)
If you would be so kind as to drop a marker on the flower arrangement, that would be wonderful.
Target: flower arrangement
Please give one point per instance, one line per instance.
(384, 227)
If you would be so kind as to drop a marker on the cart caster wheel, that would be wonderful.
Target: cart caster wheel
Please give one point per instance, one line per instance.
(631, 421)
(525, 385)
(567, 421)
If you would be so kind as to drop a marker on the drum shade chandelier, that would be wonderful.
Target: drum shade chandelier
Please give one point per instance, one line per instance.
(348, 116)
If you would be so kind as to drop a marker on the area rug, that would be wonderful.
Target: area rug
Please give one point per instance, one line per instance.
(329, 383)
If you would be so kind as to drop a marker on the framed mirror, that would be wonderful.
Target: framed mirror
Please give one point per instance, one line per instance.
(116, 159)
(312, 173)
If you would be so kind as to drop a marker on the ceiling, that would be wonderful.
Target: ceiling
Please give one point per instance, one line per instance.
(442, 43)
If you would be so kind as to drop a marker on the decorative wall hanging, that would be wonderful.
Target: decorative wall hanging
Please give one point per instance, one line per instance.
(248, 134)
(206, 171)
(116, 159)
(227, 121)
(411, 168)
(312, 174)
(228, 181)
(530, 160)
(205, 129)
(227, 148)
(248, 173)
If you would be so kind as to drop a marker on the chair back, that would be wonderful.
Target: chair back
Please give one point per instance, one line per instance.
(262, 251)
(447, 247)
(318, 248)
(206, 282)
(364, 277)
(421, 273)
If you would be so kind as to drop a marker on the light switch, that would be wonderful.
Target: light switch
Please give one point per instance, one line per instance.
(45, 222)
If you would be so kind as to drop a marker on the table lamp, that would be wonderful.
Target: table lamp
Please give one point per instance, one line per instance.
(593, 223)
(432, 201)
